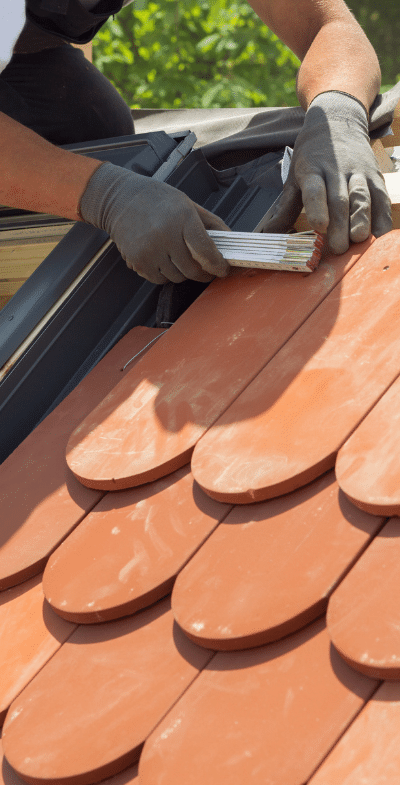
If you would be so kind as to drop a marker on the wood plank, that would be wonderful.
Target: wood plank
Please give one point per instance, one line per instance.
(18, 262)
(269, 568)
(149, 425)
(287, 426)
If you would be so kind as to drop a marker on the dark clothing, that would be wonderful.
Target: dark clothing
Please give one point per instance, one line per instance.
(69, 19)
(59, 94)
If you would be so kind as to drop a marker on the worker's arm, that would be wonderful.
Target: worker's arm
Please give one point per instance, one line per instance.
(159, 231)
(36, 175)
(334, 172)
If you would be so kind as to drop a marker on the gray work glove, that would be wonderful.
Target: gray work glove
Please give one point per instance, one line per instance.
(159, 231)
(334, 173)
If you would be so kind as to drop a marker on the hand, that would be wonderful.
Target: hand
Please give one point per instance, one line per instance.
(335, 175)
(159, 231)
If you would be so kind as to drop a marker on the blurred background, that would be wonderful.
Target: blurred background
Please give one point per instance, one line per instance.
(217, 53)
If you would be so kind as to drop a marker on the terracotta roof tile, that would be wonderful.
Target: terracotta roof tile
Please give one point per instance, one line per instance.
(214, 350)
(85, 699)
(285, 429)
(369, 752)
(40, 499)
(7, 774)
(293, 551)
(270, 714)
(126, 553)
(363, 613)
(30, 633)
(368, 465)
(85, 716)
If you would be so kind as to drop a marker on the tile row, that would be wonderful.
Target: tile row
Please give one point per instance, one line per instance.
(272, 712)
(153, 419)
(240, 679)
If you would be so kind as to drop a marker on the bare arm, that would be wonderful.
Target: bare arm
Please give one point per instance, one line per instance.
(335, 53)
(159, 231)
(36, 175)
(333, 172)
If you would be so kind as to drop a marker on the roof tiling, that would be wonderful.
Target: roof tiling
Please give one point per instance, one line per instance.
(307, 401)
(240, 678)
(269, 714)
(293, 551)
(368, 465)
(30, 633)
(214, 350)
(363, 613)
(126, 554)
(369, 753)
(86, 715)
(40, 499)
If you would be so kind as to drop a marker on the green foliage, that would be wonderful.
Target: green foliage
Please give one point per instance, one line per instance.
(381, 23)
(201, 53)
(205, 53)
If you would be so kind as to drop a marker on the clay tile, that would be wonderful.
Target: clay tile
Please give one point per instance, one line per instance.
(127, 552)
(363, 612)
(269, 568)
(266, 715)
(85, 716)
(149, 425)
(285, 429)
(30, 633)
(40, 499)
(368, 465)
(369, 752)
(7, 775)
(125, 777)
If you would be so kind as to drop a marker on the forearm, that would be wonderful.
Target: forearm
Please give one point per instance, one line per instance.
(35, 175)
(339, 58)
(334, 52)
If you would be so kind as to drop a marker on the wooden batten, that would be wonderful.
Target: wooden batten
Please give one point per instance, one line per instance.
(21, 253)
(392, 180)
(18, 262)
(394, 140)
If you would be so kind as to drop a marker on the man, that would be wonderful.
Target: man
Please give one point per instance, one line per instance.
(158, 230)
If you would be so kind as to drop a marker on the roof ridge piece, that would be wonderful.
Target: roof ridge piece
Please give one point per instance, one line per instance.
(285, 429)
(368, 464)
(294, 550)
(363, 612)
(149, 425)
(40, 501)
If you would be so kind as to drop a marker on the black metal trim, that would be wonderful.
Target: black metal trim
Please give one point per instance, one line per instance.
(74, 251)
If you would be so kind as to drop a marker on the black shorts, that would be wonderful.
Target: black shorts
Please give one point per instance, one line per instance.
(63, 97)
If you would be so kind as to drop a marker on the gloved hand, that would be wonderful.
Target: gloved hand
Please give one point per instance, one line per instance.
(335, 175)
(158, 230)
